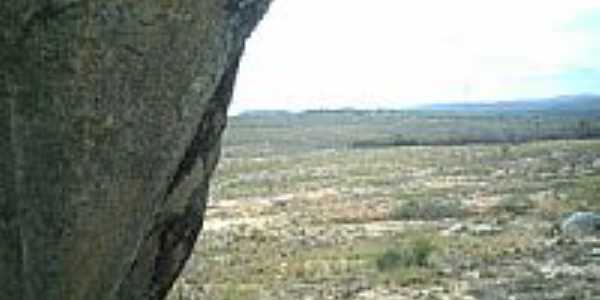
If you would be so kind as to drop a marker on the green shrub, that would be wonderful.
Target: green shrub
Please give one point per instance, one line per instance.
(415, 253)
(428, 209)
(514, 204)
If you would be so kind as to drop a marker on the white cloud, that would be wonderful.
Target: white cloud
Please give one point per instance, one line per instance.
(331, 53)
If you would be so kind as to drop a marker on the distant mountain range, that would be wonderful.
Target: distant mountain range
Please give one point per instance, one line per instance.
(578, 104)
(264, 113)
(573, 103)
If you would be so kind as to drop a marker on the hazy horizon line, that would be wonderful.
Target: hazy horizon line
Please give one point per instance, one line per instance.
(470, 102)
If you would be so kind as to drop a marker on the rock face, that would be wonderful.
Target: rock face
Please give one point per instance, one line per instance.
(110, 122)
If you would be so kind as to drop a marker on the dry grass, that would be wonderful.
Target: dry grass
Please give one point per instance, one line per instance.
(376, 216)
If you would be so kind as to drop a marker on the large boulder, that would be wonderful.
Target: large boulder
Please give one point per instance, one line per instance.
(581, 224)
(111, 114)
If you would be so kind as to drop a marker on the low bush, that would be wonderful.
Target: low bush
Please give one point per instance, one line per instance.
(514, 204)
(428, 209)
(416, 253)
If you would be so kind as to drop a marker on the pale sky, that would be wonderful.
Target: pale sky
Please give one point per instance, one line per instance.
(310, 54)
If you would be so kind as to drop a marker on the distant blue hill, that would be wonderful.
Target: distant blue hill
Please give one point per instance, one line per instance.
(264, 113)
(575, 103)
(585, 104)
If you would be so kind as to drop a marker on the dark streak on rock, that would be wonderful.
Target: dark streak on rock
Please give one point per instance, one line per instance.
(177, 235)
(177, 241)
(209, 130)
(133, 50)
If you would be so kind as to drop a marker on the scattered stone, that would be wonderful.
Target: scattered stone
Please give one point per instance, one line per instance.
(454, 229)
(484, 229)
(596, 164)
(282, 200)
(581, 224)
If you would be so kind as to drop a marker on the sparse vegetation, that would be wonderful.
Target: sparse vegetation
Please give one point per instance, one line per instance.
(427, 209)
(514, 204)
(295, 133)
(413, 253)
(325, 220)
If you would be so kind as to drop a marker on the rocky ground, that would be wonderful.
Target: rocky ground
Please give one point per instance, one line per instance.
(472, 222)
